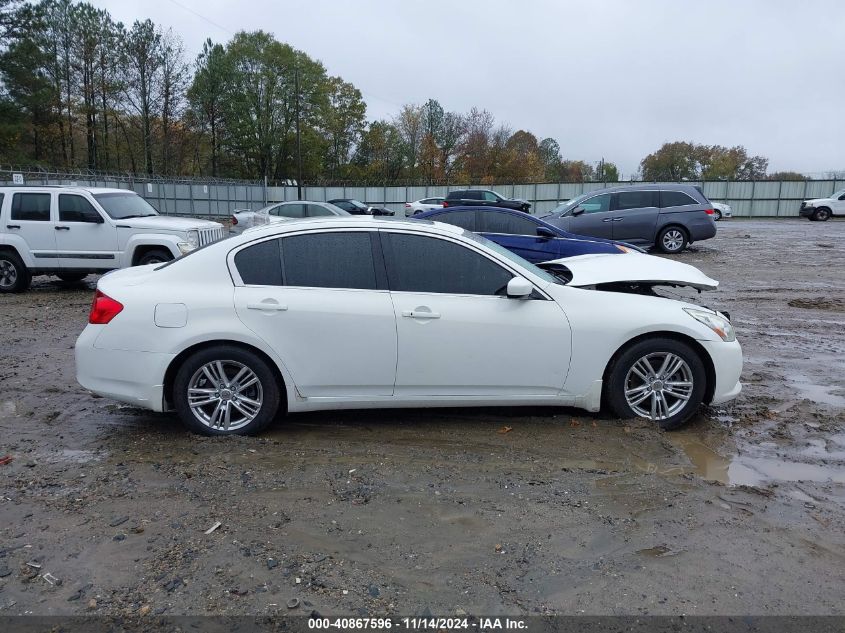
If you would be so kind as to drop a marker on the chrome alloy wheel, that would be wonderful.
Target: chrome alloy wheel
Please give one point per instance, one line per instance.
(673, 240)
(225, 394)
(8, 274)
(658, 385)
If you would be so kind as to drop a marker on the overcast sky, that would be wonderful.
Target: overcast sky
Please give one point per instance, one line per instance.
(612, 79)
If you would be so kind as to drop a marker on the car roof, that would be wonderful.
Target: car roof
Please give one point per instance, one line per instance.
(655, 186)
(344, 221)
(76, 189)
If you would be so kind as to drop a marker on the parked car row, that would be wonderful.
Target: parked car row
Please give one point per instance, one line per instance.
(318, 313)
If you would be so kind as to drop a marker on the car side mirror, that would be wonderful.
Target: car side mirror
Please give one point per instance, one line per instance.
(842, 197)
(545, 232)
(519, 288)
(577, 211)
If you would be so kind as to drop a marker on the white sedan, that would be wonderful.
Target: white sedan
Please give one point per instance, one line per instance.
(329, 313)
(295, 210)
(721, 210)
(420, 206)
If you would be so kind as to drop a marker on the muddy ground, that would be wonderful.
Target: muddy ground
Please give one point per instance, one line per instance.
(104, 508)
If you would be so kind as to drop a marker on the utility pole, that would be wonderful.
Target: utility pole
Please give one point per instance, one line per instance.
(298, 137)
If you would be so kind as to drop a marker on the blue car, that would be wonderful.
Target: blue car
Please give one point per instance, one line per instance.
(529, 237)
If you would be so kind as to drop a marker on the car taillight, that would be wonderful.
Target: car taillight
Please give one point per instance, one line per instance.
(709, 211)
(103, 309)
(407, 205)
(234, 220)
(445, 204)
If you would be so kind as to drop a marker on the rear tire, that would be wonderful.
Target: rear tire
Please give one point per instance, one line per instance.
(659, 379)
(821, 215)
(226, 390)
(71, 278)
(14, 275)
(157, 256)
(717, 215)
(672, 240)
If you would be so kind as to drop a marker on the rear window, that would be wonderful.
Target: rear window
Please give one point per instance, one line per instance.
(33, 207)
(676, 199)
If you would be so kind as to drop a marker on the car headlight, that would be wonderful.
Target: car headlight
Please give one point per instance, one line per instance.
(185, 247)
(194, 238)
(716, 322)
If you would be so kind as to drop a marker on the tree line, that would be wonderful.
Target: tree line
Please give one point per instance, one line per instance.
(80, 90)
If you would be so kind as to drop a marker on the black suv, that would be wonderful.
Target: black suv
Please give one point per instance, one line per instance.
(485, 197)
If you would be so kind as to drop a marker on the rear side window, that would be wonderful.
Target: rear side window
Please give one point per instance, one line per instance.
(261, 264)
(329, 260)
(457, 195)
(463, 219)
(289, 211)
(76, 209)
(427, 264)
(635, 199)
(315, 210)
(31, 206)
(675, 199)
(507, 223)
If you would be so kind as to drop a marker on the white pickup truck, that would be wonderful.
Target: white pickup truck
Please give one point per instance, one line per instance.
(73, 231)
(822, 209)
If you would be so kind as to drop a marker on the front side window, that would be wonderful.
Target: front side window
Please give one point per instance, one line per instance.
(419, 263)
(122, 206)
(77, 209)
(675, 199)
(316, 210)
(490, 196)
(33, 207)
(596, 204)
(635, 200)
(463, 219)
(329, 260)
(506, 223)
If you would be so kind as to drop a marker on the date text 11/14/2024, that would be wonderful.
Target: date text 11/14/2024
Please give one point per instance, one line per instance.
(418, 623)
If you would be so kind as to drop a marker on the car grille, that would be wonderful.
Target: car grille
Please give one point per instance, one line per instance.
(803, 204)
(207, 236)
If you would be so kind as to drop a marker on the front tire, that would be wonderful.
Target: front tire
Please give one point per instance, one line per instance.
(226, 390)
(672, 240)
(14, 275)
(821, 215)
(659, 379)
(157, 256)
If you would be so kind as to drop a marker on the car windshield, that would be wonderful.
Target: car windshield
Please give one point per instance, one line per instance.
(516, 259)
(838, 194)
(570, 204)
(122, 206)
(356, 203)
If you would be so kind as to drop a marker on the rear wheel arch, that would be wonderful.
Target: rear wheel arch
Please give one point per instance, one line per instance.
(706, 360)
(176, 363)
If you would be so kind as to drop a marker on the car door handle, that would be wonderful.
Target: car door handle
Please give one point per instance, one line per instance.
(62, 228)
(13, 226)
(618, 219)
(268, 307)
(418, 314)
(608, 220)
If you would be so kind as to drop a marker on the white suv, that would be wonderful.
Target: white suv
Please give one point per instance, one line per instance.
(73, 231)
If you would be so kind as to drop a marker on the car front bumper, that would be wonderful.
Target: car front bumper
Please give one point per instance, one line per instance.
(128, 376)
(727, 365)
(806, 212)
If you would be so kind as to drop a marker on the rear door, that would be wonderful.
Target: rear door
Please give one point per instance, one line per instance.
(84, 239)
(518, 234)
(635, 215)
(320, 300)
(596, 219)
(459, 335)
(33, 218)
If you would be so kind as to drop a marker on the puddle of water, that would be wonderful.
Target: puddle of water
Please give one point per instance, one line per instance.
(752, 471)
(814, 392)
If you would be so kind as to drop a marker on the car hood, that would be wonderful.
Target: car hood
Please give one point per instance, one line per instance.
(590, 270)
(167, 223)
(817, 200)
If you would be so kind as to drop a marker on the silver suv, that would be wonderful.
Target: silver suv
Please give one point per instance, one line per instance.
(73, 231)
(670, 217)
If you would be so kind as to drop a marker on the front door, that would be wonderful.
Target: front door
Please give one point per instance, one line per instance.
(596, 219)
(319, 302)
(459, 334)
(83, 237)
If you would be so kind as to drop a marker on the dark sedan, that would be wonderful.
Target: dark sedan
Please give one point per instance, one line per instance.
(529, 237)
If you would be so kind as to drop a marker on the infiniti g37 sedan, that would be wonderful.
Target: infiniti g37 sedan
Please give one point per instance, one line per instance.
(334, 313)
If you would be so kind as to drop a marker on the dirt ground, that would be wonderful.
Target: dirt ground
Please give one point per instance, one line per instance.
(104, 508)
